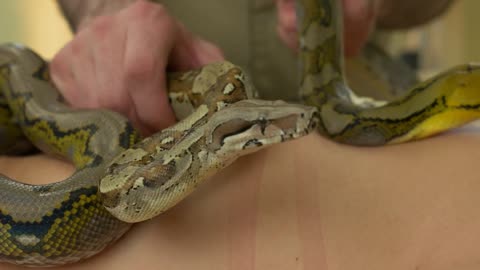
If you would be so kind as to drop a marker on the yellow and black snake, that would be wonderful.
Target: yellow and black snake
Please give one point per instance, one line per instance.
(71, 220)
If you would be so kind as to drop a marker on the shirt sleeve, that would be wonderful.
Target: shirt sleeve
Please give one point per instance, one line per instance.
(397, 14)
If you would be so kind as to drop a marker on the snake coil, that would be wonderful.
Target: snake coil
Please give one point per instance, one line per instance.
(220, 120)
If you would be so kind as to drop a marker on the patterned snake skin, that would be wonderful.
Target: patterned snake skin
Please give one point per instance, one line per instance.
(221, 120)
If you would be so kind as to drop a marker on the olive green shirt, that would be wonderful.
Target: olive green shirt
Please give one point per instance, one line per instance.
(246, 32)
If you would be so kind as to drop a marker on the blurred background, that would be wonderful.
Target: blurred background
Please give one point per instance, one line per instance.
(448, 41)
(37, 24)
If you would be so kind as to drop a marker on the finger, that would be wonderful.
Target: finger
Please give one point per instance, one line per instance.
(191, 52)
(287, 25)
(84, 73)
(359, 20)
(148, 45)
(207, 52)
(62, 75)
(286, 15)
(108, 36)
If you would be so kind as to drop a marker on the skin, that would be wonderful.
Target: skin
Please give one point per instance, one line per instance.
(359, 19)
(122, 49)
(118, 60)
(322, 220)
(322, 206)
(116, 64)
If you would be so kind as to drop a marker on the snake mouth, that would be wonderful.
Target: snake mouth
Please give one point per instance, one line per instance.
(314, 121)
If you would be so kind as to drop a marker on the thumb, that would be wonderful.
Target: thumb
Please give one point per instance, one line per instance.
(191, 52)
(359, 20)
(181, 51)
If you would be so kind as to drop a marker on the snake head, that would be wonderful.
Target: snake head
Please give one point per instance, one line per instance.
(250, 125)
(152, 177)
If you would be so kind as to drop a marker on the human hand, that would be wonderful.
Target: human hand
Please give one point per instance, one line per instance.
(359, 20)
(119, 62)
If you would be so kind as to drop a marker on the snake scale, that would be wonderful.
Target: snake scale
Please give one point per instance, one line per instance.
(122, 179)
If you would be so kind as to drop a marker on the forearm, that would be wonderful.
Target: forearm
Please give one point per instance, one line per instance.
(79, 12)
(394, 14)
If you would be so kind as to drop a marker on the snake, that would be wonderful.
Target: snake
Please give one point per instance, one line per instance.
(121, 178)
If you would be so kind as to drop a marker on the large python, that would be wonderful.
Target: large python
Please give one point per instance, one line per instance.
(68, 221)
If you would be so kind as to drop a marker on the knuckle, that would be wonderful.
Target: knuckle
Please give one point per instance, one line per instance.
(152, 17)
(159, 11)
(101, 25)
(145, 8)
(153, 13)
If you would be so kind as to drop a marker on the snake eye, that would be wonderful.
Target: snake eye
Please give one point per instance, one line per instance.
(252, 144)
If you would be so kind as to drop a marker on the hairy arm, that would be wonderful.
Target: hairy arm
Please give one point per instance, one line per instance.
(395, 14)
(79, 12)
